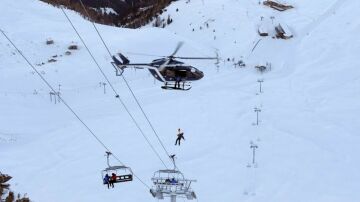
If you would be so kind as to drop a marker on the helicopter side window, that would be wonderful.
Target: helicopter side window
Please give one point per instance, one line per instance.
(181, 74)
(169, 73)
(189, 74)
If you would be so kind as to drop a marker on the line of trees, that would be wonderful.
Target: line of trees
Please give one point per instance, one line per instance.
(128, 13)
(5, 193)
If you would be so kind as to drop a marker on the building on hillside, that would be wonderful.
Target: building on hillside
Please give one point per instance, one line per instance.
(283, 31)
(263, 30)
(277, 6)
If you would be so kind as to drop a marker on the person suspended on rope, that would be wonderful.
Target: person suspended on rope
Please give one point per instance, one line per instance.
(107, 180)
(112, 180)
(180, 136)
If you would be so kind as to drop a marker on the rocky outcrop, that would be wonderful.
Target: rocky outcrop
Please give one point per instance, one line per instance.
(120, 13)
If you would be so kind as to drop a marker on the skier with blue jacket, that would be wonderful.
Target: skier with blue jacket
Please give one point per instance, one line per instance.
(107, 180)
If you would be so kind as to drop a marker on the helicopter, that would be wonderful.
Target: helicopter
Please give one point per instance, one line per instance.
(176, 75)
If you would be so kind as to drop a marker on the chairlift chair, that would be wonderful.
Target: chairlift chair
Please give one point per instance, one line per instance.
(171, 183)
(123, 173)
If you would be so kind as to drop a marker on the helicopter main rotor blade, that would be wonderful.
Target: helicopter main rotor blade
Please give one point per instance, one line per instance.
(179, 45)
(162, 67)
(197, 58)
(144, 54)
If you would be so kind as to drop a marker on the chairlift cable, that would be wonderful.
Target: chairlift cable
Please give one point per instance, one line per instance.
(126, 82)
(132, 92)
(68, 106)
(112, 87)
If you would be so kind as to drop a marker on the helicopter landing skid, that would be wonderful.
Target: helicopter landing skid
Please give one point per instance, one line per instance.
(172, 87)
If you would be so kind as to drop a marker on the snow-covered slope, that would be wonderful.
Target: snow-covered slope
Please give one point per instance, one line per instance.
(308, 133)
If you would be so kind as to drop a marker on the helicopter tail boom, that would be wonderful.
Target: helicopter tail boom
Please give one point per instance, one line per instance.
(120, 62)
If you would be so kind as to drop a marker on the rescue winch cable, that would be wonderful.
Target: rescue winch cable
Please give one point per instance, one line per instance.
(126, 82)
(113, 89)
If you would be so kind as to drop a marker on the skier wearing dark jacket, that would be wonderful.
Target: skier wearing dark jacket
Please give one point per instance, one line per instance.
(112, 180)
(180, 136)
(107, 180)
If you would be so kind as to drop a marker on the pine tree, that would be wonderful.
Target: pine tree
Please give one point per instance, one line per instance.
(4, 187)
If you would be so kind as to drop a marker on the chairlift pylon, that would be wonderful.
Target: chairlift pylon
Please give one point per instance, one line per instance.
(123, 173)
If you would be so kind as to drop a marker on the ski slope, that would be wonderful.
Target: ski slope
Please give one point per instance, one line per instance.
(308, 132)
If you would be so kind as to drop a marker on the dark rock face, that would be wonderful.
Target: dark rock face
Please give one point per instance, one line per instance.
(121, 13)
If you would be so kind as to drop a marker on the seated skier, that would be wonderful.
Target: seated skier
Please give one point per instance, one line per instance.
(107, 180)
(112, 180)
(173, 181)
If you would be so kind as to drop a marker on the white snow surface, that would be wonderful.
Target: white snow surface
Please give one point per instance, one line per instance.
(308, 135)
(108, 10)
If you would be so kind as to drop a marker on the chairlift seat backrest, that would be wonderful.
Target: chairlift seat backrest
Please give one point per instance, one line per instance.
(126, 177)
(122, 178)
(171, 183)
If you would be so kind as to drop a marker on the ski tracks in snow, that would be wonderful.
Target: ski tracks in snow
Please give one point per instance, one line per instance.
(294, 49)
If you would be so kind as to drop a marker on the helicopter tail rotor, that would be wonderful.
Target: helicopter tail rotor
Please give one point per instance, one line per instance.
(119, 63)
(124, 59)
